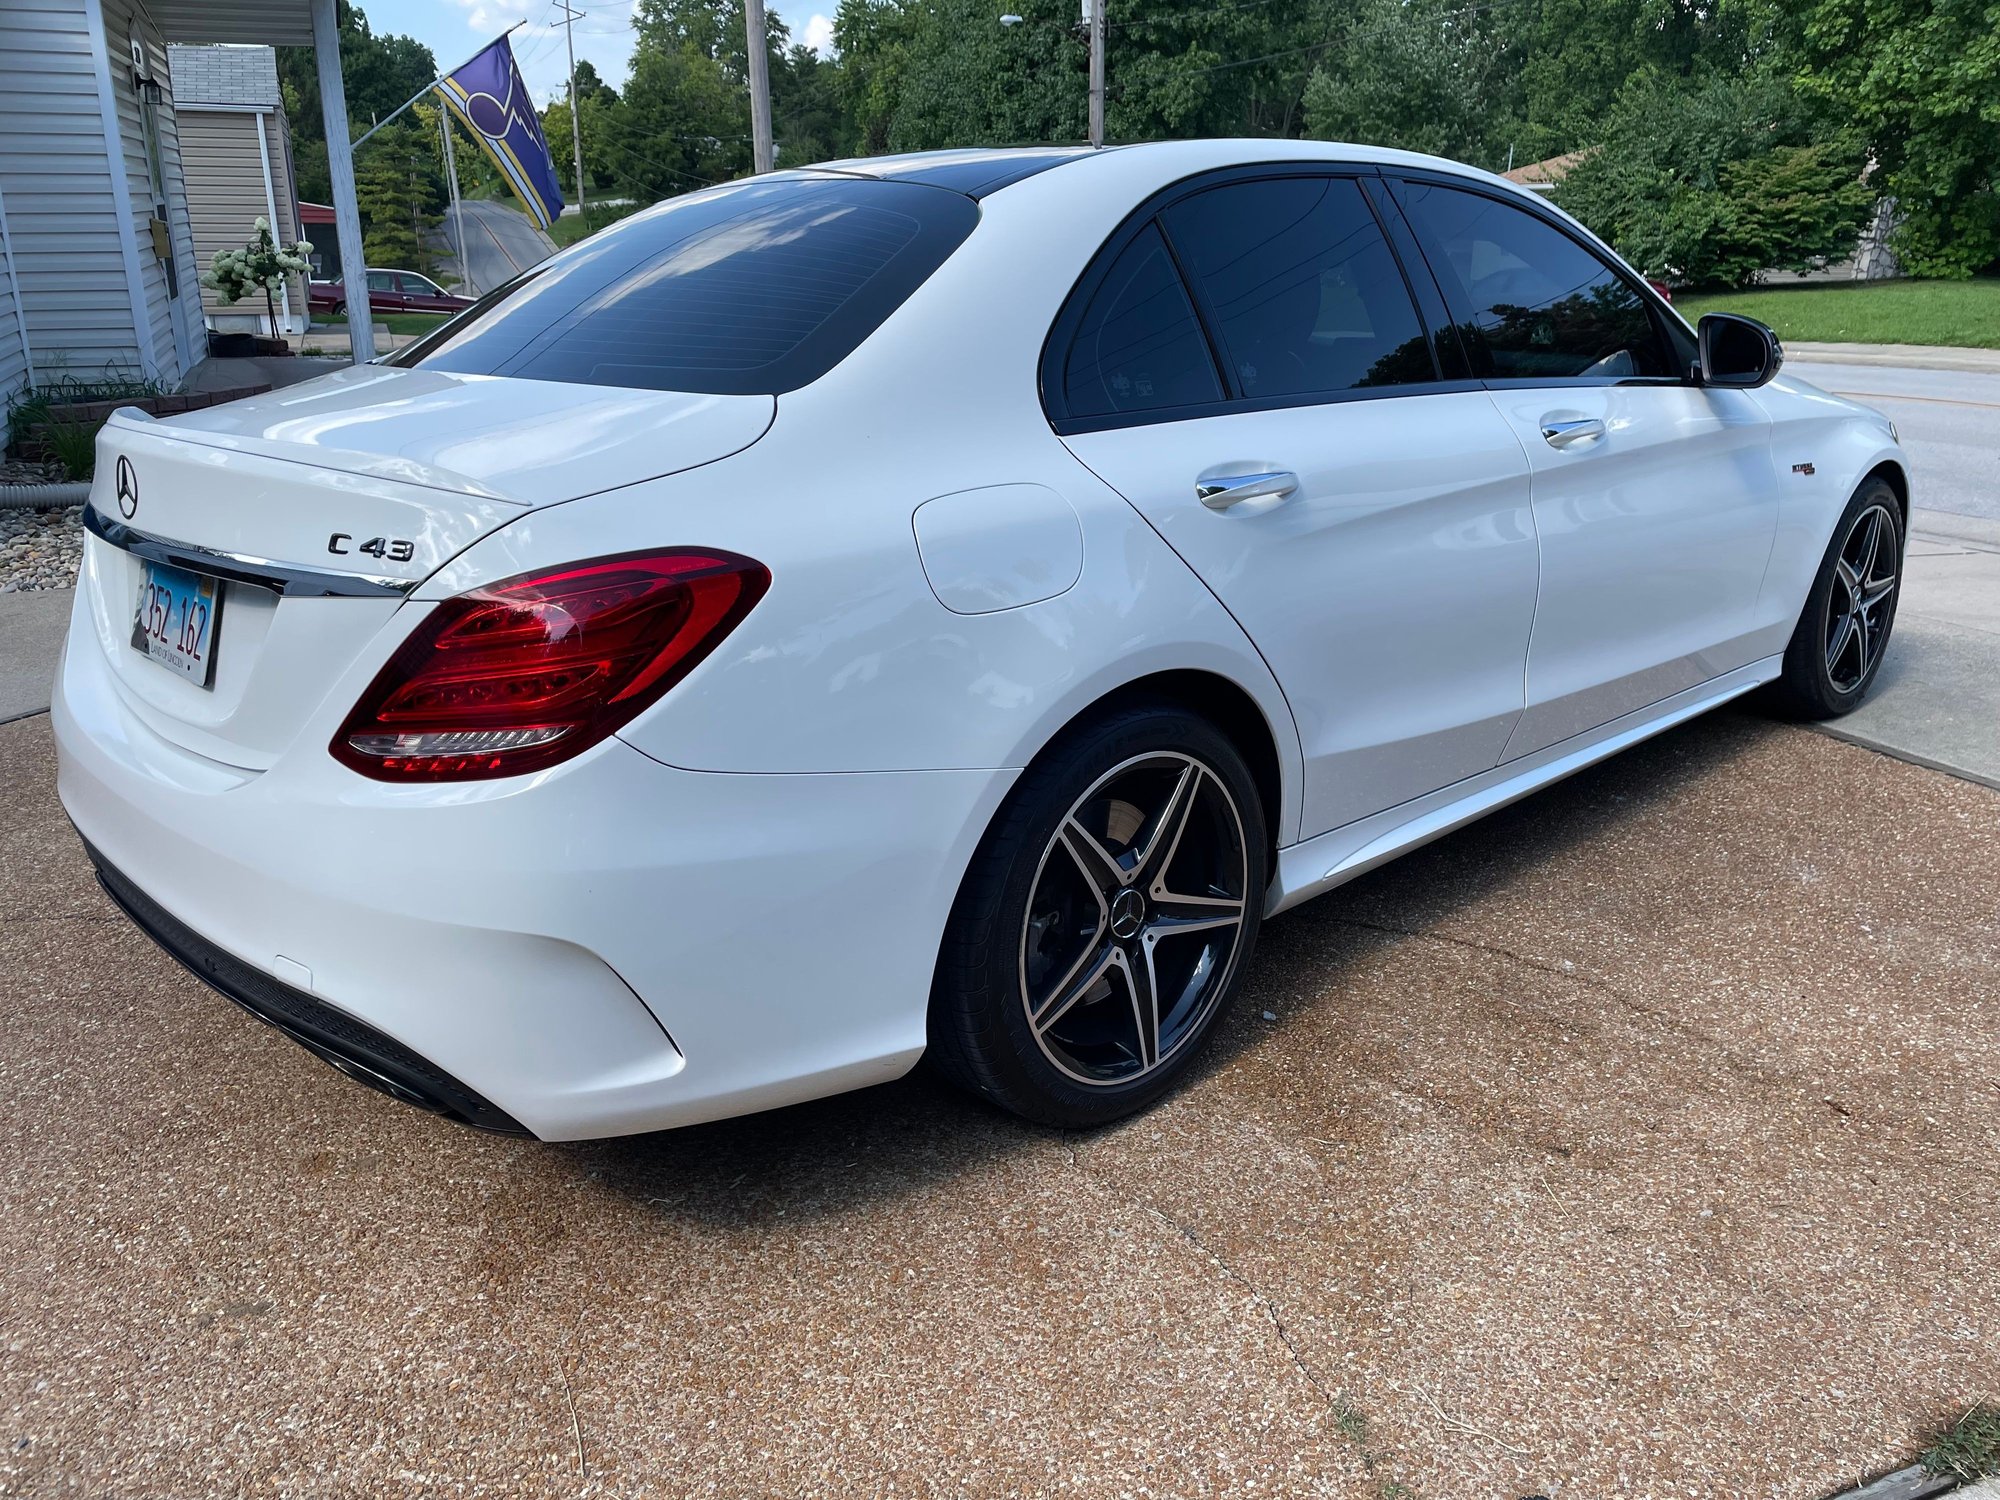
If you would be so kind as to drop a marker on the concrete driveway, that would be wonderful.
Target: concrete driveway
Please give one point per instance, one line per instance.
(1639, 1141)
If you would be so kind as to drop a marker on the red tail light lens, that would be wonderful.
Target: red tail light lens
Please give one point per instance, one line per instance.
(528, 672)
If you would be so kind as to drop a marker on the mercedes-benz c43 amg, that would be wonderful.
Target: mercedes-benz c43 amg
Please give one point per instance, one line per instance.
(928, 606)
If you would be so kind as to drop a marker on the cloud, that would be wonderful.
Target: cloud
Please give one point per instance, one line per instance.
(818, 35)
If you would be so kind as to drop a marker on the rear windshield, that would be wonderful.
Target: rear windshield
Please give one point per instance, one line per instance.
(750, 289)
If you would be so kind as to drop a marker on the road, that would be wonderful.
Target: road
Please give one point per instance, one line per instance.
(504, 241)
(1949, 421)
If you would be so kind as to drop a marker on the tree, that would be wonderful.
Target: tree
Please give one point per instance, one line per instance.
(378, 72)
(1711, 181)
(1920, 79)
(396, 187)
(1418, 75)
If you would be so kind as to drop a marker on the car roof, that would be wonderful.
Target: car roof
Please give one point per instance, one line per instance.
(973, 171)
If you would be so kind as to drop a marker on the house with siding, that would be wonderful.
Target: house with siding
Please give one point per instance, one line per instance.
(237, 160)
(99, 263)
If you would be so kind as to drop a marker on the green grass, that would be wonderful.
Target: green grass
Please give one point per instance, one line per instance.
(395, 322)
(1961, 313)
(1970, 1447)
(567, 231)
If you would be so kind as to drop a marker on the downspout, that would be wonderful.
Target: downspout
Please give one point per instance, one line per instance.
(271, 217)
(14, 289)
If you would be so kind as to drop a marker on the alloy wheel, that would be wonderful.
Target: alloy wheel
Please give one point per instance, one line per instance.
(1135, 919)
(1857, 608)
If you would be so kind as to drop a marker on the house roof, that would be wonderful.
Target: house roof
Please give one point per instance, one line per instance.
(224, 75)
(1548, 171)
(274, 23)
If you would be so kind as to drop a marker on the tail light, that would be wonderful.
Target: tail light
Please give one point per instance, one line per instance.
(525, 673)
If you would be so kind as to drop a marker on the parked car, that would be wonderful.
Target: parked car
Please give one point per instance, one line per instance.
(940, 605)
(388, 291)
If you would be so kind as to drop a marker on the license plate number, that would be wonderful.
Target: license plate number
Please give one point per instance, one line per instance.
(174, 621)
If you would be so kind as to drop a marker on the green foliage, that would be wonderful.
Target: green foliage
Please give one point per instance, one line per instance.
(1970, 1449)
(1709, 182)
(1920, 80)
(1419, 75)
(1962, 313)
(379, 73)
(73, 445)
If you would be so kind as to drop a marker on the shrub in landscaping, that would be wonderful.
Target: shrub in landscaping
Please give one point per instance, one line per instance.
(1709, 182)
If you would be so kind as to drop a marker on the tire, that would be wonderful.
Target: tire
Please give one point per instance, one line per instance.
(1843, 632)
(1129, 860)
(340, 309)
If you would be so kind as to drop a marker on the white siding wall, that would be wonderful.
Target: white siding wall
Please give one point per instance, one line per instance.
(13, 367)
(124, 20)
(57, 182)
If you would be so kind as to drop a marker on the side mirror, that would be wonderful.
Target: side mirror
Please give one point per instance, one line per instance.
(1738, 352)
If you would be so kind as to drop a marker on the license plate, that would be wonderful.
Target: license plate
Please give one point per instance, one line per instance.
(174, 621)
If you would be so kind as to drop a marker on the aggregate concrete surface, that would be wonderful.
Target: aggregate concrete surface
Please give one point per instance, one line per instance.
(1640, 1141)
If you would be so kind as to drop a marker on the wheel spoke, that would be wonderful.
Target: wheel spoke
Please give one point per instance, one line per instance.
(1144, 990)
(1166, 840)
(1081, 979)
(1097, 863)
(1875, 593)
(1174, 915)
(1849, 579)
(1838, 646)
(1871, 546)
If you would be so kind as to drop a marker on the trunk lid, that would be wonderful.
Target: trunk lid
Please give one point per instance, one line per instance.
(339, 496)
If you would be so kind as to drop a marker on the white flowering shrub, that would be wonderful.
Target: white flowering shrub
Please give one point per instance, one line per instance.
(261, 265)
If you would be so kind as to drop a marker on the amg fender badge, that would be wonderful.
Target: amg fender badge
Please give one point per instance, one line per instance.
(1806, 469)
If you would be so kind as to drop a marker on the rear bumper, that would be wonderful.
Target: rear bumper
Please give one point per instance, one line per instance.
(610, 947)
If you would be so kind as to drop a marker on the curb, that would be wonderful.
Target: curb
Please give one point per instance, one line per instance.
(1899, 356)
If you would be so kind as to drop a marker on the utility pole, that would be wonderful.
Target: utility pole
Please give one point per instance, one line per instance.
(1096, 9)
(760, 84)
(570, 14)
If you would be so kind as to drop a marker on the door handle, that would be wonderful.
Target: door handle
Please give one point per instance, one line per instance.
(1220, 491)
(1567, 432)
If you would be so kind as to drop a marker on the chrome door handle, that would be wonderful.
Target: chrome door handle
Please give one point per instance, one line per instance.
(1220, 491)
(1566, 434)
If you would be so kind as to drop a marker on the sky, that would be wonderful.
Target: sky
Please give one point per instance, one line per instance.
(455, 29)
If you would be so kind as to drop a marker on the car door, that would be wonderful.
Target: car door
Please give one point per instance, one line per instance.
(382, 293)
(1655, 501)
(1289, 431)
(420, 294)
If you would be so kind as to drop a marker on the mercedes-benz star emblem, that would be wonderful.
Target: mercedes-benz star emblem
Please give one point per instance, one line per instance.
(128, 488)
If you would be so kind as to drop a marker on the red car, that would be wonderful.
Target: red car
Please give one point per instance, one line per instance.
(388, 291)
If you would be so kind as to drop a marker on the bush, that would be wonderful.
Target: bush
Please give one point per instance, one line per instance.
(1708, 183)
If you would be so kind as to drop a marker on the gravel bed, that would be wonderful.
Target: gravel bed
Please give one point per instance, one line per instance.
(40, 549)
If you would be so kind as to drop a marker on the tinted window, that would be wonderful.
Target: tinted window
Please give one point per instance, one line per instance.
(1138, 347)
(381, 281)
(1306, 296)
(753, 288)
(1542, 305)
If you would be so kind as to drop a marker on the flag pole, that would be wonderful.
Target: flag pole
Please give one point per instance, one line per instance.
(457, 205)
(360, 140)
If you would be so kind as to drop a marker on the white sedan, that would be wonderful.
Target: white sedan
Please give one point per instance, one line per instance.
(931, 605)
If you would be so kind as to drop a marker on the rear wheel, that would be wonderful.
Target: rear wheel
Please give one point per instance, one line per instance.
(1837, 647)
(1106, 921)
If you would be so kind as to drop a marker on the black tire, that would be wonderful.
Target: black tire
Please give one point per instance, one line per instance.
(997, 952)
(340, 309)
(1837, 648)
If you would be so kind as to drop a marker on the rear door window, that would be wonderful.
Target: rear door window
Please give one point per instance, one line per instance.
(1138, 347)
(1301, 287)
(755, 288)
(1542, 305)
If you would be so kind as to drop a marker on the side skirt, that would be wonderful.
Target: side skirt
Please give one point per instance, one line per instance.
(1318, 864)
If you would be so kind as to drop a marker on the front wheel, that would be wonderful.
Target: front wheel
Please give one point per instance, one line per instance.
(1106, 921)
(1838, 644)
